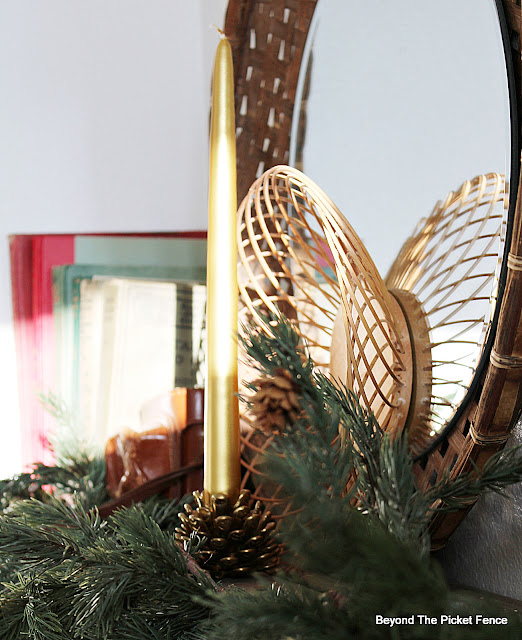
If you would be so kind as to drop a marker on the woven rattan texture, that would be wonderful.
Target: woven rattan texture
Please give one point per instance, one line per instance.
(267, 41)
(482, 428)
(297, 252)
(512, 13)
(451, 264)
(268, 38)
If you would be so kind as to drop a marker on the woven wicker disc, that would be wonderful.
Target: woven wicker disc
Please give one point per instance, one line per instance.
(298, 255)
(451, 264)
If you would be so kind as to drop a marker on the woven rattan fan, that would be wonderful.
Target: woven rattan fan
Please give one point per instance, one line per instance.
(268, 40)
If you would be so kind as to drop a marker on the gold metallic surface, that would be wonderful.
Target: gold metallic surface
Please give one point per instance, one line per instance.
(222, 469)
(238, 535)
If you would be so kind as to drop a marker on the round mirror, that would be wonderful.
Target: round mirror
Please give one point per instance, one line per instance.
(402, 117)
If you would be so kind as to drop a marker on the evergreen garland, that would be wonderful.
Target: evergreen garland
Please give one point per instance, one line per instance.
(81, 475)
(76, 576)
(310, 454)
(353, 551)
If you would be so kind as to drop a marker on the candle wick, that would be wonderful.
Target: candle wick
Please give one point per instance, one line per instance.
(220, 31)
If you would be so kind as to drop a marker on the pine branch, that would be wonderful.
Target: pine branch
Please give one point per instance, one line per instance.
(42, 623)
(314, 462)
(84, 476)
(276, 612)
(138, 568)
(95, 578)
(315, 455)
(387, 486)
(40, 536)
(351, 569)
(313, 442)
(27, 609)
(69, 438)
(503, 469)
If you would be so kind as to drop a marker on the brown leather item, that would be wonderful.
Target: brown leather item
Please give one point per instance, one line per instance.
(192, 440)
(136, 459)
(148, 489)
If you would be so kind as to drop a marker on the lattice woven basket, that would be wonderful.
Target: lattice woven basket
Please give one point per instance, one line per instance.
(268, 39)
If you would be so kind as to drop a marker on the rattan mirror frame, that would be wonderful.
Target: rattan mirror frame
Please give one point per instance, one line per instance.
(268, 39)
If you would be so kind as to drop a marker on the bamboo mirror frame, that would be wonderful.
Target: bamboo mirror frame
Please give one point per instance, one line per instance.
(481, 426)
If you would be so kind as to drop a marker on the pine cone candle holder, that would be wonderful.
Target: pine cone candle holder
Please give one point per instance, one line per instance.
(238, 535)
(275, 403)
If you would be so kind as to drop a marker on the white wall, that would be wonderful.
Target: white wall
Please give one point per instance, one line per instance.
(103, 127)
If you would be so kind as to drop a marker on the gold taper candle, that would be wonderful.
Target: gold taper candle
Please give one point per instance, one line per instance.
(222, 467)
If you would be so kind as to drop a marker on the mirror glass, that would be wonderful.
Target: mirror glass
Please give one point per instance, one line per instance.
(398, 105)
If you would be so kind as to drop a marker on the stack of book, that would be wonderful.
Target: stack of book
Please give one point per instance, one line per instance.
(103, 323)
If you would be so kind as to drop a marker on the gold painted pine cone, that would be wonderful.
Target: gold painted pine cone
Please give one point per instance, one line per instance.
(275, 403)
(238, 535)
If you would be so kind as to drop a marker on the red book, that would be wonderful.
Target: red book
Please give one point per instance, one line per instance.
(21, 253)
(48, 251)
